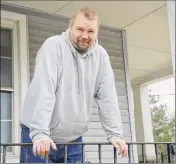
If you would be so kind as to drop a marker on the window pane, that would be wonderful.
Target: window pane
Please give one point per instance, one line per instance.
(6, 72)
(6, 105)
(6, 133)
(6, 43)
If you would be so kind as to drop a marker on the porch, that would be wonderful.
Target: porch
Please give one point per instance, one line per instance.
(148, 57)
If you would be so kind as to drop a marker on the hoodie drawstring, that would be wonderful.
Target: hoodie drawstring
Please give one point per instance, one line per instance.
(78, 74)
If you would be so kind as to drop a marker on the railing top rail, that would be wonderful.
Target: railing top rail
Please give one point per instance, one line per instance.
(88, 143)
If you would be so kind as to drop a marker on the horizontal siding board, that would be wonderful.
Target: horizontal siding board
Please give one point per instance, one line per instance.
(123, 99)
(120, 86)
(109, 39)
(110, 43)
(45, 28)
(32, 67)
(118, 66)
(95, 118)
(122, 105)
(120, 79)
(116, 59)
(32, 54)
(111, 46)
(110, 34)
(97, 125)
(36, 40)
(32, 61)
(34, 47)
(115, 53)
(49, 22)
(121, 92)
(119, 72)
(101, 139)
(100, 133)
(123, 112)
(41, 34)
(105, 155)
(105, 160)
(94, 148)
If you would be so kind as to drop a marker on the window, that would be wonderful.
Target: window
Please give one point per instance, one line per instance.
(14, 76)
(6, 86)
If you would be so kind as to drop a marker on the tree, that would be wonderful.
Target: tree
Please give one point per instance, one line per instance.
(163, 126)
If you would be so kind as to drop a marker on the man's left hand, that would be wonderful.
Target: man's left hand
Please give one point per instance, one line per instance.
(120, 143)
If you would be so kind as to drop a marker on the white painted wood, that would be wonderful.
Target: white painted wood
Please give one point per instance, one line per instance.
(20, 65)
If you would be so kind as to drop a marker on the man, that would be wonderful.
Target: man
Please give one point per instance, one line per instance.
(71, 69)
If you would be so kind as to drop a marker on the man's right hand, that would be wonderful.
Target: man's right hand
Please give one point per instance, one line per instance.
(41, 146)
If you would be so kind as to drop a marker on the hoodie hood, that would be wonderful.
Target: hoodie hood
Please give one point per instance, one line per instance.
(65, 35)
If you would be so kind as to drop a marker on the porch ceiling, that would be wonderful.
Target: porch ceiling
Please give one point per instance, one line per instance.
(145, 23)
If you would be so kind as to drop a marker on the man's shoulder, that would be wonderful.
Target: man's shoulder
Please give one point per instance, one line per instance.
(101, 50)
(53, 39)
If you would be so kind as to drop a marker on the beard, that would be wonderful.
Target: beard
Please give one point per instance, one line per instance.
(82, 46)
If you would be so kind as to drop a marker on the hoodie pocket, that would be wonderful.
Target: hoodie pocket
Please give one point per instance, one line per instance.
(65, 129)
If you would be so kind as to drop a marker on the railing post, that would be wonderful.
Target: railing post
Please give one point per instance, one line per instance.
(143, 153)
(65, 154)
(26, 153)
(169, 153)
(0, 156)
(115, 155)
(129, 154)
(156, 152)
(162, 157)
(99, 152)
(4, 154)
(83, 153)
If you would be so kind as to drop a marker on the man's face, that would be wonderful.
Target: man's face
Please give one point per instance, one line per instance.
(83, 33)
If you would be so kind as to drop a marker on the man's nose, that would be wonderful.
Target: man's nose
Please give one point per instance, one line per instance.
(84, 35)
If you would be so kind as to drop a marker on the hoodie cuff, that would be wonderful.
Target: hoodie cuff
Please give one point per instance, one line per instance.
(114, 137)
(39, 136)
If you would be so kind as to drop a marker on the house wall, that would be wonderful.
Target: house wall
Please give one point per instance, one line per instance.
(43, 25)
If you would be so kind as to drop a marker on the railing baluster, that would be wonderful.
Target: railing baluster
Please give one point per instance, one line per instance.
(83, 153)
(47, 158)
(0, 155)
(99, 153)
(129, 154)
(143, 153)
(162, 157)
(115, 155)
(26, 153)
(65, 154)
(156, 152)
(169, 153)
(4, 154)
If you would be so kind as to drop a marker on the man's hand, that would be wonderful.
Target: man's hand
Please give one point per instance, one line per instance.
(119, 143)
(41, 146)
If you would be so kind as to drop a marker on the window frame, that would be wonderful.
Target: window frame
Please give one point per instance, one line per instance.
(20, 69)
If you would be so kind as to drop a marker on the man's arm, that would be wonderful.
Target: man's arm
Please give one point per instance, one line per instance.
(109, 111)
(43, 88)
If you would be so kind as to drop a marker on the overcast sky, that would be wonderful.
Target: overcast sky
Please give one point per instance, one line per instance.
(166, 89)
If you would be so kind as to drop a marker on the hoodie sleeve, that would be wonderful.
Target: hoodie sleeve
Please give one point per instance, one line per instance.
(43, 88)
(107, 101)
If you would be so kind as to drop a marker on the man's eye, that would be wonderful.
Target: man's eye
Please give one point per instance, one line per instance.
(91, 31)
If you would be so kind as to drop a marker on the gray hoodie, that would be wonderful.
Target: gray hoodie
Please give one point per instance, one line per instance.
(59, 100)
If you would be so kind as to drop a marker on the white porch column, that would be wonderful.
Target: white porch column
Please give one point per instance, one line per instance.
(143, 122)
(171, 22)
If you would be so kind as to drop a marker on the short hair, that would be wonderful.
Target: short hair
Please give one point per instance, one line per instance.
(88, 13)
